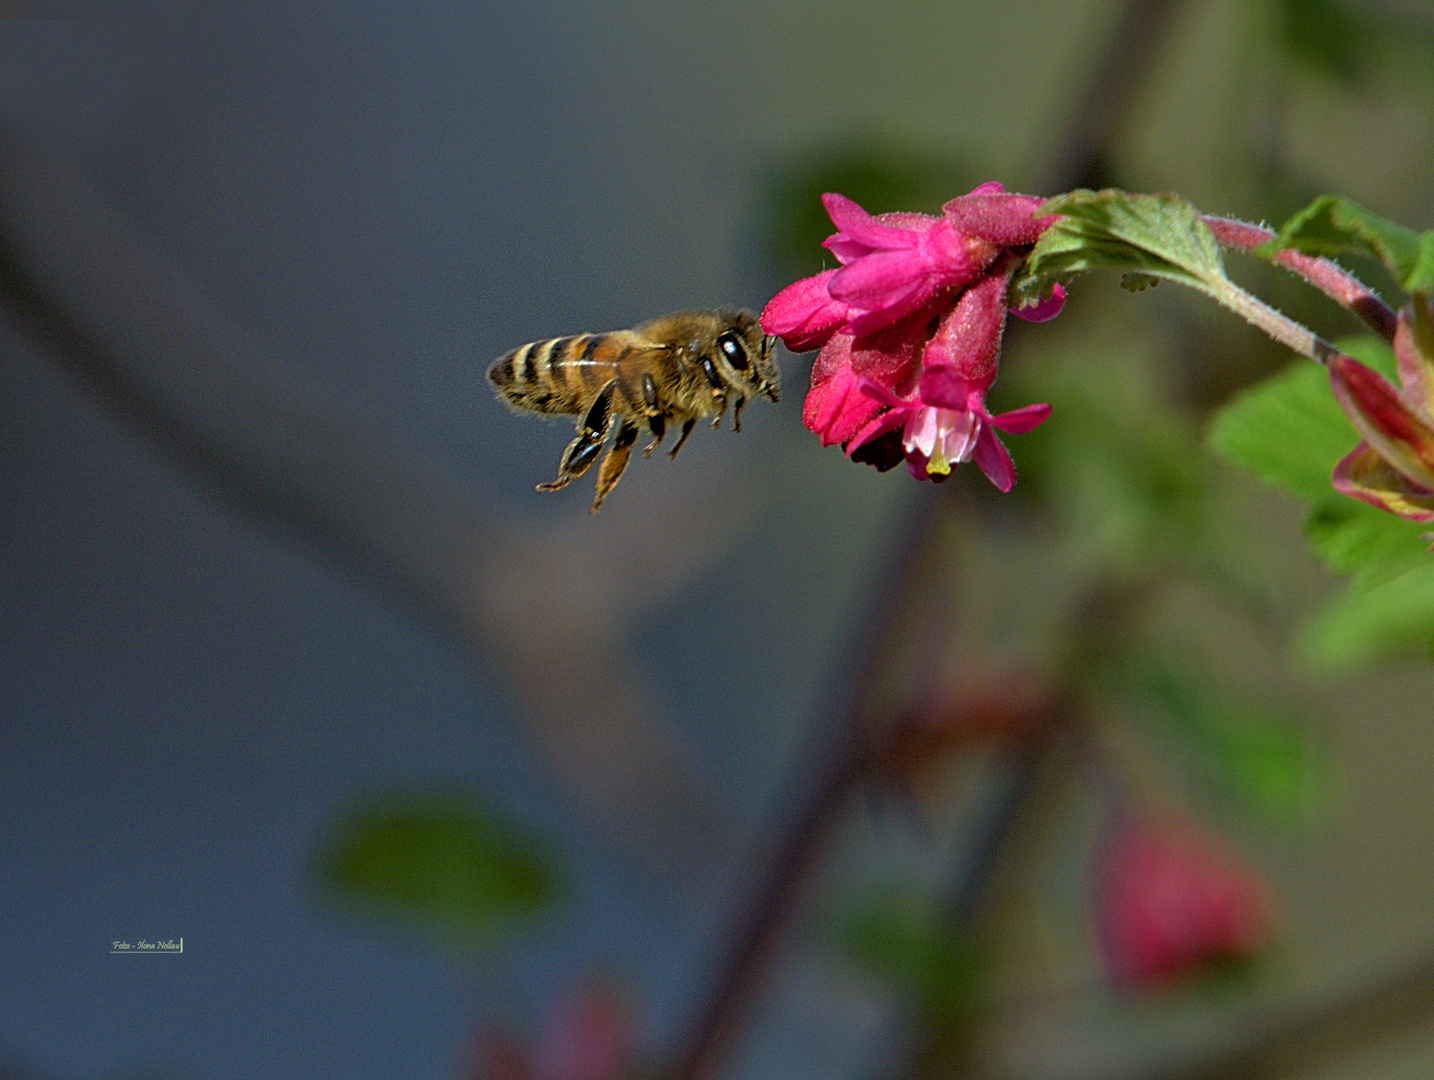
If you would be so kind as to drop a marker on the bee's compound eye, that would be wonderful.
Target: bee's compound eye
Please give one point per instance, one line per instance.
(733, 350)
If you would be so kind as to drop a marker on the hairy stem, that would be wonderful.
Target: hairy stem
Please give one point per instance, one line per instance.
(1281, 327)
(1326, 276)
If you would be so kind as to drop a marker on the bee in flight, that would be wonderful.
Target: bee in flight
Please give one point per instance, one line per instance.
(677, 369)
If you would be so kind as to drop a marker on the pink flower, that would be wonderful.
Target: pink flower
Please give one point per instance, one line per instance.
(910, 327)
(1393, 467)
(1171, 901)
(588, 1038)
(994, 214)
(947, 423)
(837, 408)
(895, 264)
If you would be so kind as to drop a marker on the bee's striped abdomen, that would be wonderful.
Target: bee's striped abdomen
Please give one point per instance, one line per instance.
(549, 376)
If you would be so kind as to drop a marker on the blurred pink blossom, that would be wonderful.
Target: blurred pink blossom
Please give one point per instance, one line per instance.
(1171, 900)
(586, 1036)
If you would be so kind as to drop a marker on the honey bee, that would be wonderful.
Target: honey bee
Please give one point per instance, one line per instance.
(677, 368)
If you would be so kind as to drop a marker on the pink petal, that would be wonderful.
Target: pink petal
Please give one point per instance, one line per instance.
(1414, 350)
(1004, 219)
(1386, 418)
(970, 335)
(885, 286)
(588, 1037)
(877, 427)
(922, 431)
(1043, 310)
(1362, 474)
(872, 279)
(836, 408)
(804, 314)
(953, 256)
(834, 359)
(874, 389)
(892, 309)
(1020, 421)
(994, 459)
(944, 388)
(858, 231)
(1172, 900)
(891, 355)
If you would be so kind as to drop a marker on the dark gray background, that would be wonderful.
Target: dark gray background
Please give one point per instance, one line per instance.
(390, 196)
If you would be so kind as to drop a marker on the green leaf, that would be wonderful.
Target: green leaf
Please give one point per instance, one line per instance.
(1356, 538)
(1388, 620)
(1288, 430)
(1333, 225)
(439, 859)
(1121, 464)
(1158, 236)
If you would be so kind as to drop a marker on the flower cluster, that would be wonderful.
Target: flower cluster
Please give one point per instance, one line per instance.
(909, 327)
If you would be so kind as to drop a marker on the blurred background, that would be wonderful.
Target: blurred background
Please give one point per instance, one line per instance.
(271, 549)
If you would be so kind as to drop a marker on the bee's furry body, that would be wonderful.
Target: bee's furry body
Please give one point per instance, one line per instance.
(677, 368)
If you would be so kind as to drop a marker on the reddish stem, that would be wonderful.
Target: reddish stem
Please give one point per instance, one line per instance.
(1326, 276)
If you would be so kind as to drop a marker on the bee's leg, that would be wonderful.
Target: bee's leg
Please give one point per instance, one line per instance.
(583, 450)
(719, 389)
(615, 461)
(737, 414)
(577, 459)
(656, 418)
(657, 424)
(687, 426)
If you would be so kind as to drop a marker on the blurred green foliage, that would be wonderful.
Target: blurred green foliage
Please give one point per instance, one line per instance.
(873, 170)
(1248, 752)
(1324, 36)
(896, 937)
(1289, 431)
(440, 860)
(1119, 464)
(1390, 620)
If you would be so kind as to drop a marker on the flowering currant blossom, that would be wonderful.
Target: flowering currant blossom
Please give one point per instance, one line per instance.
(1393, 467)
(1170, 901)
(909, 327)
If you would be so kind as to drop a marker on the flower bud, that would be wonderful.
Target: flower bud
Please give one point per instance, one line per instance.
(1171, 901)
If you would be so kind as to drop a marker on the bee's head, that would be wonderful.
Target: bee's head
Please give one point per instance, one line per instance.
(746, 353)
